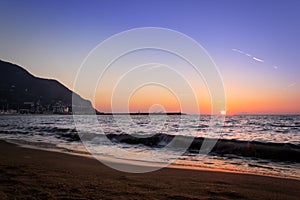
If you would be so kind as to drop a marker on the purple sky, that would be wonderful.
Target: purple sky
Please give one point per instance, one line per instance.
(255, 44)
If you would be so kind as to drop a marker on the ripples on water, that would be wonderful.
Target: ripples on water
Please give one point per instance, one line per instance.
(283, 131)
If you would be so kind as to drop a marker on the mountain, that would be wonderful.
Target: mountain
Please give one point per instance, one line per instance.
(21, 91)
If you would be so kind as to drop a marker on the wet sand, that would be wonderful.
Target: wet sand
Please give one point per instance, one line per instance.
(36, 174)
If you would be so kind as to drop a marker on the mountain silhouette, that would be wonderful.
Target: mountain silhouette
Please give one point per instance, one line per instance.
(19, 90)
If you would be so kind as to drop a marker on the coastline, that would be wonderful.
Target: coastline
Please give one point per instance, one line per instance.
(83, 152)
(39, 173)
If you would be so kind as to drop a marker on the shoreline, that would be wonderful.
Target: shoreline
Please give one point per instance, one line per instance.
(86, 154)
(28, 173)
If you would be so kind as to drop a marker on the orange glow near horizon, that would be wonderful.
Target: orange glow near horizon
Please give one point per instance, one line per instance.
(144, 100)
(156, 99)
(236, 103)
(258, 101)
(247, 98)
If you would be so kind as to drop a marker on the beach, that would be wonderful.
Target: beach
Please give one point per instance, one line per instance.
(37, 174)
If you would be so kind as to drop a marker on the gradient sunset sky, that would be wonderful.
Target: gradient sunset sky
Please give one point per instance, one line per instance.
(255, 44)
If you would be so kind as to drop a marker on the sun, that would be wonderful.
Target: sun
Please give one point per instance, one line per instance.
(223, 112)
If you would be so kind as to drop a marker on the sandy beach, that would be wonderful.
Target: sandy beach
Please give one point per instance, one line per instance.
(37, 174)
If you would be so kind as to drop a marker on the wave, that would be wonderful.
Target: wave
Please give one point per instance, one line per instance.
(223, 147)
(68, 134)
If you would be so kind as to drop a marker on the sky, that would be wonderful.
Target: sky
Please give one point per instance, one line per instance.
(254, 44)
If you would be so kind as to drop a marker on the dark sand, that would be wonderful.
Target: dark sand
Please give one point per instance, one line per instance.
(36, 174)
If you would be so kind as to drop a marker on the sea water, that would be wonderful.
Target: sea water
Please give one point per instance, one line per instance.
(259, 144)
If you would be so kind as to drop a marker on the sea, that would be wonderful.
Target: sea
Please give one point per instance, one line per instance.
(253, 144)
